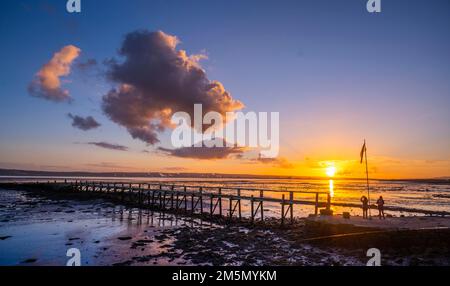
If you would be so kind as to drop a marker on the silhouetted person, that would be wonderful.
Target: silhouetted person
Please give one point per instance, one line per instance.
(380, 204)
(365, 206)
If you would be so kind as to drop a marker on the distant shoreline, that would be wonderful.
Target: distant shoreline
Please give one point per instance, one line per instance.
(32, 173)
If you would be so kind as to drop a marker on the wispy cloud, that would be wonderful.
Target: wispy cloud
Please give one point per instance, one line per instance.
(89, 63)
(279, 162)
(83, 123)
(109, 146)
(175, 169)
(110, 166)
(204, 153)
(46, 83)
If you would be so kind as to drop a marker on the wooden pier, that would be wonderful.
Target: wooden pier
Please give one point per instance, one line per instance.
(192, 199)
(214, 201)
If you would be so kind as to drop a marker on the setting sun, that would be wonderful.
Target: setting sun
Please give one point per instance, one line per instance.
(330, 171)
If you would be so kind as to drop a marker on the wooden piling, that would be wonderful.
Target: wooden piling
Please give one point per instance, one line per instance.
(239, 202)
(220, 201)
(185, 199)
(171, 197)
(261, 197)
(291, 205)
(316, 208)
(201, 200)
(164, 200)
(160, 200)
(192, 204)
(252, 209)
(328, 201)
(231, 208)
(211, 205)
(153, 198)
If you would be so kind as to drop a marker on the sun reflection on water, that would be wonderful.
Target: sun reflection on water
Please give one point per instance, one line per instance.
(331, 188)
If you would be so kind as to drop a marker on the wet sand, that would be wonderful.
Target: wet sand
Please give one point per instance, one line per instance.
(37, 229)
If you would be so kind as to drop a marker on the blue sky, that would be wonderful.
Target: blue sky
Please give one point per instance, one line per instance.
(336, 74)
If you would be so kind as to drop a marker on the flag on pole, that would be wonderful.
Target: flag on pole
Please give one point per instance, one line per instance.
(361, 154)
(363, 149)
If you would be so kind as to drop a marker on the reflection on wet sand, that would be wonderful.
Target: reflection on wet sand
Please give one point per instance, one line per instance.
(39, 231)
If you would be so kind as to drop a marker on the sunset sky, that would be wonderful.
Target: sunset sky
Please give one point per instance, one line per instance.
(75, 88)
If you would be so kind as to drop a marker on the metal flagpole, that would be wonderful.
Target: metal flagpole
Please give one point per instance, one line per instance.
(367, 176)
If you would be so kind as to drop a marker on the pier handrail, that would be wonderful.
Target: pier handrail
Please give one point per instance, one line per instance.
(208, 187)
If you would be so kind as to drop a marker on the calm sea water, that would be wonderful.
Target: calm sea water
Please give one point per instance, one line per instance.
(418, 195)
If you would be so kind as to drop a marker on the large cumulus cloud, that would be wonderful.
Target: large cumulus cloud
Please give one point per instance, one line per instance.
(154, 80)
(46, 83)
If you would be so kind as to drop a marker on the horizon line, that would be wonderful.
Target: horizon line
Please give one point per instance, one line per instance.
(5, 172)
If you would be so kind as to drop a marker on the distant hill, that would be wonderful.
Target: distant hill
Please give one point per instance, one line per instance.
(31, 173)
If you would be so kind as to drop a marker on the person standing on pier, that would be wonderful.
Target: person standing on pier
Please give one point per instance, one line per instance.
(365, 206)
(380, 204)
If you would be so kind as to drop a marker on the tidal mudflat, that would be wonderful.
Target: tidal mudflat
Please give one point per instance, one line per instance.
(39, 228)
